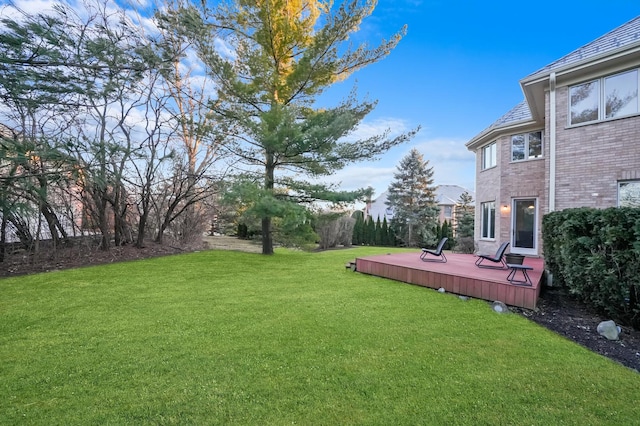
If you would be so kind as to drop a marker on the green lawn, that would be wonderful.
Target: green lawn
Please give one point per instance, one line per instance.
(224, 337)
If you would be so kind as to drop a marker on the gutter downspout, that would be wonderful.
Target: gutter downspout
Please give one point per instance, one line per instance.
(552, 142)
(552, 154)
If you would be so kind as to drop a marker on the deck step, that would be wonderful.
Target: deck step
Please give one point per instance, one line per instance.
(351, 265)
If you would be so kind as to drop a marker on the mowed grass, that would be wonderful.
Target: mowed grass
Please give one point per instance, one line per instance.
(224, 337)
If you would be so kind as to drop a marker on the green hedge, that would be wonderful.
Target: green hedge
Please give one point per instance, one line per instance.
(595, 254)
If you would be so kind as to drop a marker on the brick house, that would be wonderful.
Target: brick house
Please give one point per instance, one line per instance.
(573, 142)
(447, 198)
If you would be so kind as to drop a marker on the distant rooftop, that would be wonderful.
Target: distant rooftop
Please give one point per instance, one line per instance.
(450, 194)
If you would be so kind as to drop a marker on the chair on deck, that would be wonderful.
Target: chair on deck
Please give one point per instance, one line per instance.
(437, 252)
(497, 258)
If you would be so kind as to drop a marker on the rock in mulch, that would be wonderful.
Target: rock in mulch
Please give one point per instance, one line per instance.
(609, 329)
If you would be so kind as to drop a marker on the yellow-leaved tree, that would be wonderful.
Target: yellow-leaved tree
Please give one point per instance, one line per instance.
(271, 60)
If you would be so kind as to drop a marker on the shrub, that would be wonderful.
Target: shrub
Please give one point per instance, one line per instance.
(595, 254)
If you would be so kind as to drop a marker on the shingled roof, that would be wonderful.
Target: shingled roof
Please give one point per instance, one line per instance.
(625, 35)
(519, 112)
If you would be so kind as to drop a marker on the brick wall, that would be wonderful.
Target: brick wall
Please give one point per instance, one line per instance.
(487, 189)
(592, 158)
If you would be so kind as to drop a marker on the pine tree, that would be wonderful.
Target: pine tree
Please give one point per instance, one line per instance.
(464, 227)
(465, 216)
(285, 53)
(412, 198)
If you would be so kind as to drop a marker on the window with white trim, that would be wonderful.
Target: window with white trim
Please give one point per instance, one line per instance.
(604, 98)
(629, 193)
(526, 146)
(488, 220)
(489, 156)
(447, 211)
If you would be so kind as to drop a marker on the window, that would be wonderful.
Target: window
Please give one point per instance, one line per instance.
(585, 102)
(526, 146)
(447, 211)
(619, 93)
(629, 194)
(489, 156)
(488, 219)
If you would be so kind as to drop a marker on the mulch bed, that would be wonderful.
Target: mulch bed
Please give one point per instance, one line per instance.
(563, 314)
(556, 310)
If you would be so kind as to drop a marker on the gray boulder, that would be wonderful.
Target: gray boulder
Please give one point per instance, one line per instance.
(499, 307)
(609, 329)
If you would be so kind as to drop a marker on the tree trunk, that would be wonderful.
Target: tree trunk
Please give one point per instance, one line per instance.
(267, 240)
(3, 234)
(267, 237)
(142, 222)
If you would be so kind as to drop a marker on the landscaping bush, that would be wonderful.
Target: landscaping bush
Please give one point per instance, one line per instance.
(595, 254)
(334, 229)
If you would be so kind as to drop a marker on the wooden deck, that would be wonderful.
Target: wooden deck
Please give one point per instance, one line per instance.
(459, 275)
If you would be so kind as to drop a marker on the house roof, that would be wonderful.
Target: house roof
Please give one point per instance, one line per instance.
(450, 194)
(625, 35)
(519, 115)
(615, 44)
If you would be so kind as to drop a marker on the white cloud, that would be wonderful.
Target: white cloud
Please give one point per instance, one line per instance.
(30, 7)
(444, 150)
(358, 176)
(452, 164)
(366, 130)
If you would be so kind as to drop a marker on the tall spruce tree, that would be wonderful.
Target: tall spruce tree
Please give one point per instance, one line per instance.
(464, 216)
(464, 225)
(278, 57)
(412, 198)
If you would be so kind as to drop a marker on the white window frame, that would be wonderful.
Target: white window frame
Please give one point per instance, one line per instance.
(489, 155)
(444, 211)
(485, 210)
(602, 91)
(527, 153)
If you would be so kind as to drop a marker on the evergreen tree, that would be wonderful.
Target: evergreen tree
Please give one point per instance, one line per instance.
(393, 241)
(285, 53)
(385, 233)
(378, 239)
(447, 231)
(412, 198)
(358, 228)
(465, 216)
(370, 232)
(464, 227)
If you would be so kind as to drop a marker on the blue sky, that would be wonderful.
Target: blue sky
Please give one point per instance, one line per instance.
(458, 70)
(455, 72)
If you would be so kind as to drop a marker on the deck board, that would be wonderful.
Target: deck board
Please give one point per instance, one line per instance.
(459, 275)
